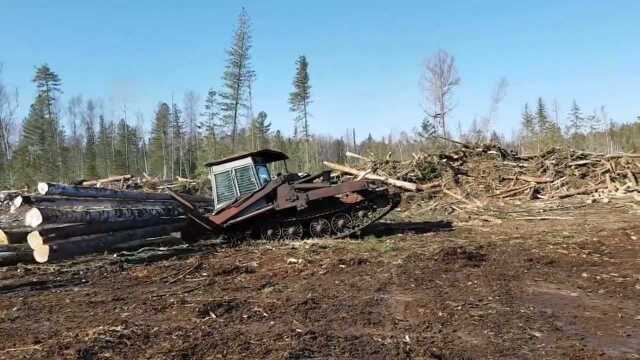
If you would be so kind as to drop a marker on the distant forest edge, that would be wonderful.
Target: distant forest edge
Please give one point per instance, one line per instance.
(77, 140)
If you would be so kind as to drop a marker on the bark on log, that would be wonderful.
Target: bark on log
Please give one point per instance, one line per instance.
(82, 245)
(14, 248)
(16, 256)
(106, 180)
(37, 215)
(13, 236)
(93, 192)
(99, 203)
(48, 235)
(397, 183)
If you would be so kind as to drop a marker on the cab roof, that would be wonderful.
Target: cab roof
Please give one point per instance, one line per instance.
(264, 156)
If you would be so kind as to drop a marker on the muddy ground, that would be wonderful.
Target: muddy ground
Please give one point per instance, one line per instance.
(561, 288)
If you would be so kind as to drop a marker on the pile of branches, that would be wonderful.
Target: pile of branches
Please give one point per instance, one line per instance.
(61, 221)
(474, 174)
(143, 183)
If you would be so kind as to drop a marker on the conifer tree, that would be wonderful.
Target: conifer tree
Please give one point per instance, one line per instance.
(237, 76)
(42, 141)
(89, 120)
(177, 141)
(104, 147)
(209, 126)
(159, 150)
(261, 129)
(576, 121)
(299, 101)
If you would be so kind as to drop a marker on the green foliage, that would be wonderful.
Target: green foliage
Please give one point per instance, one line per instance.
(159, 142)
(237, 77)
(39, 155)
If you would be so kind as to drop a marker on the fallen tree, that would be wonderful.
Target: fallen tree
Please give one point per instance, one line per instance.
(94, 192)
(87, 244)
(43, 215)
(47, 235)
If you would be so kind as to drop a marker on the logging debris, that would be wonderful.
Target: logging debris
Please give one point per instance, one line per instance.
(475, 175)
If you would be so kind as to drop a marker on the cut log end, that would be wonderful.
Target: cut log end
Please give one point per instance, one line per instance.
(34, 239)
(33, 218)
(41, 254)
(43, 187)
(4, 239)
(15, 204)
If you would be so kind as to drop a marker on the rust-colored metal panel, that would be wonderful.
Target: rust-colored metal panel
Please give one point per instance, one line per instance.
(223, 216)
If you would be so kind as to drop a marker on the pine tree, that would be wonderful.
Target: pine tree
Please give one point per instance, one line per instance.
(576, 121)
(237, 76)
(41, 146)
(159, 146)
(427, 128)
(210, 125)
(177, 141)
(299, 101)
(89, 120)
(261, 129)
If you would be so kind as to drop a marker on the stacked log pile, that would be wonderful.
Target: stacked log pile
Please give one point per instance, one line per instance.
(473, 175)
(62, 221)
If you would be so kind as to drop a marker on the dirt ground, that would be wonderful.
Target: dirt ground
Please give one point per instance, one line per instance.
(561, 288)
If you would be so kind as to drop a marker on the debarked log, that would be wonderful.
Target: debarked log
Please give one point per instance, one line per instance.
(397, 183)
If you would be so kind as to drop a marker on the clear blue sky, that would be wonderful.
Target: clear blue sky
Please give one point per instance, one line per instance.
(365, 56)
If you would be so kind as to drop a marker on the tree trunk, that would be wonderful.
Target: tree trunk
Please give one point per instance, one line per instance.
(38, 216)
(45, 236)
(92, 192)
(82, 245)
(11, 258)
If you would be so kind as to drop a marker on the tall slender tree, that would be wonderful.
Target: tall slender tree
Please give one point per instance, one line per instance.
(237, 76)
(210, 124)
(42, 142)
(299, 101)
(159, 141)
(90, 147)
(439, 80)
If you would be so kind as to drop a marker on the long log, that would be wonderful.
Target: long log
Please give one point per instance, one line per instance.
(110, 179)
(13, 236)
(583, 191)
(88, 244)
(397, 183)
(357, 156)
(48, 235)
(13, 254)
(37, 215)
(98, 203)
(15, 257)
(537, 180)
(94, 192)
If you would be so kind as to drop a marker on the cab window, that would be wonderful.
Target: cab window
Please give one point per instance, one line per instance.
(263, 174)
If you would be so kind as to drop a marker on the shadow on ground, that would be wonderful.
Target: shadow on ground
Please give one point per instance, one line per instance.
(381, 229)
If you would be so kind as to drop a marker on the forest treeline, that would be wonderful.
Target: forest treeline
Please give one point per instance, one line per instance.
(78, 139)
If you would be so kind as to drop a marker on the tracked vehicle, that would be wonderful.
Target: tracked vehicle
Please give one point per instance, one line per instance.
(251, 203)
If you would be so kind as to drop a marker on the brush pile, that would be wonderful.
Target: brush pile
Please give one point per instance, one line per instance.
(62, 221)
(473, 175)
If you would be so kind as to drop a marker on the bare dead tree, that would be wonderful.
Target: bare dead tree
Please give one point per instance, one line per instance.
(497, 96)
(8, 109)
(439, 79)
